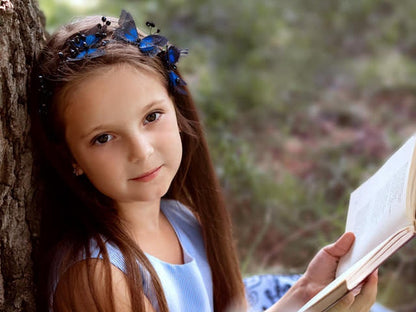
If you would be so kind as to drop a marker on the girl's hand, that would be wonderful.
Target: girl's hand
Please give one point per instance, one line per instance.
(361, 302)
(320, 272)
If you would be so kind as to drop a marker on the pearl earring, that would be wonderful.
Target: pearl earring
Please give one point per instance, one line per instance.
(77, 171)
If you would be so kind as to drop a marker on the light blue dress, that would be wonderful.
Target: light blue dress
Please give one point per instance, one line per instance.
(187, 287)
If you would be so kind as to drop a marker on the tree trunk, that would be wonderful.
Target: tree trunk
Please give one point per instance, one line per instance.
(21, 36)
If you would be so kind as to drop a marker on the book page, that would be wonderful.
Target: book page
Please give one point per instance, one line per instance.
(377, 208)
(380, 254)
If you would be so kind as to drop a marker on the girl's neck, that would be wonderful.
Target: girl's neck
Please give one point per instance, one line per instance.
(151, 230)
(140, 217)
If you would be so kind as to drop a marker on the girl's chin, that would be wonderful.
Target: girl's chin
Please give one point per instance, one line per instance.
(149, 197)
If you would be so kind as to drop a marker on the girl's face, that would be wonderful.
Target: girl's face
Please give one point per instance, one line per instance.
(122, 131)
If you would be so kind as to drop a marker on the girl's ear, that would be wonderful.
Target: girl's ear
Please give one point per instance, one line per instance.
(77, 170)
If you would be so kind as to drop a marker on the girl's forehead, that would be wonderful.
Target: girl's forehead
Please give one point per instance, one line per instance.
(110, 79)
(117, 92)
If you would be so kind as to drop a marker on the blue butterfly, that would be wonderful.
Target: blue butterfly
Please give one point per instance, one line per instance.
(88, 45)
(176, 82)
(172, 56)
(150, 45)
(85, 47)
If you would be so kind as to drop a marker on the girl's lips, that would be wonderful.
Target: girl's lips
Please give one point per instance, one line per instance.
(148, 176)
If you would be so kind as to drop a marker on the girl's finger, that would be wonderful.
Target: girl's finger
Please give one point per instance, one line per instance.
(361, 302)
(344, 304)
(368, 294)
(341, 246)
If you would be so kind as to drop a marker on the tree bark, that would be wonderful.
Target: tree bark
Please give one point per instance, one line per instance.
(21, 36)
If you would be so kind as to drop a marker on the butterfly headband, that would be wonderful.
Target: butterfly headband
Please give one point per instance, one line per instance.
(90, 45)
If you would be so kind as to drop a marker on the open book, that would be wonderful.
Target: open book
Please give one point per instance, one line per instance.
(382, 215)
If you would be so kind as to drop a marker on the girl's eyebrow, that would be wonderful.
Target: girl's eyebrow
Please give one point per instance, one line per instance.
(143, 110)
(151, 104)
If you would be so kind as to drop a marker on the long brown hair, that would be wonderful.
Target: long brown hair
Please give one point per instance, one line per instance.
(73, 210)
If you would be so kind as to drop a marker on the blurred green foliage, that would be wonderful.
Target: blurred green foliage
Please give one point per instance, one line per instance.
(301, 100)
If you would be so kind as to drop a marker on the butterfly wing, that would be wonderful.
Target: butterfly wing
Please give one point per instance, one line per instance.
(127, 30)
(92, 40)
(173, 55)
(176, 82)
(93, 53)
(88, 53)
(152, 44)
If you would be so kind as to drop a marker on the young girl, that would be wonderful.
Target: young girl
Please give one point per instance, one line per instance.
(132, 213)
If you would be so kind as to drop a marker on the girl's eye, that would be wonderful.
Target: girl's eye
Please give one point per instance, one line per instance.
(102, 139)
(152, 117)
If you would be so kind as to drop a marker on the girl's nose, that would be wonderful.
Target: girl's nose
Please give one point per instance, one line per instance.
(140, 147)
